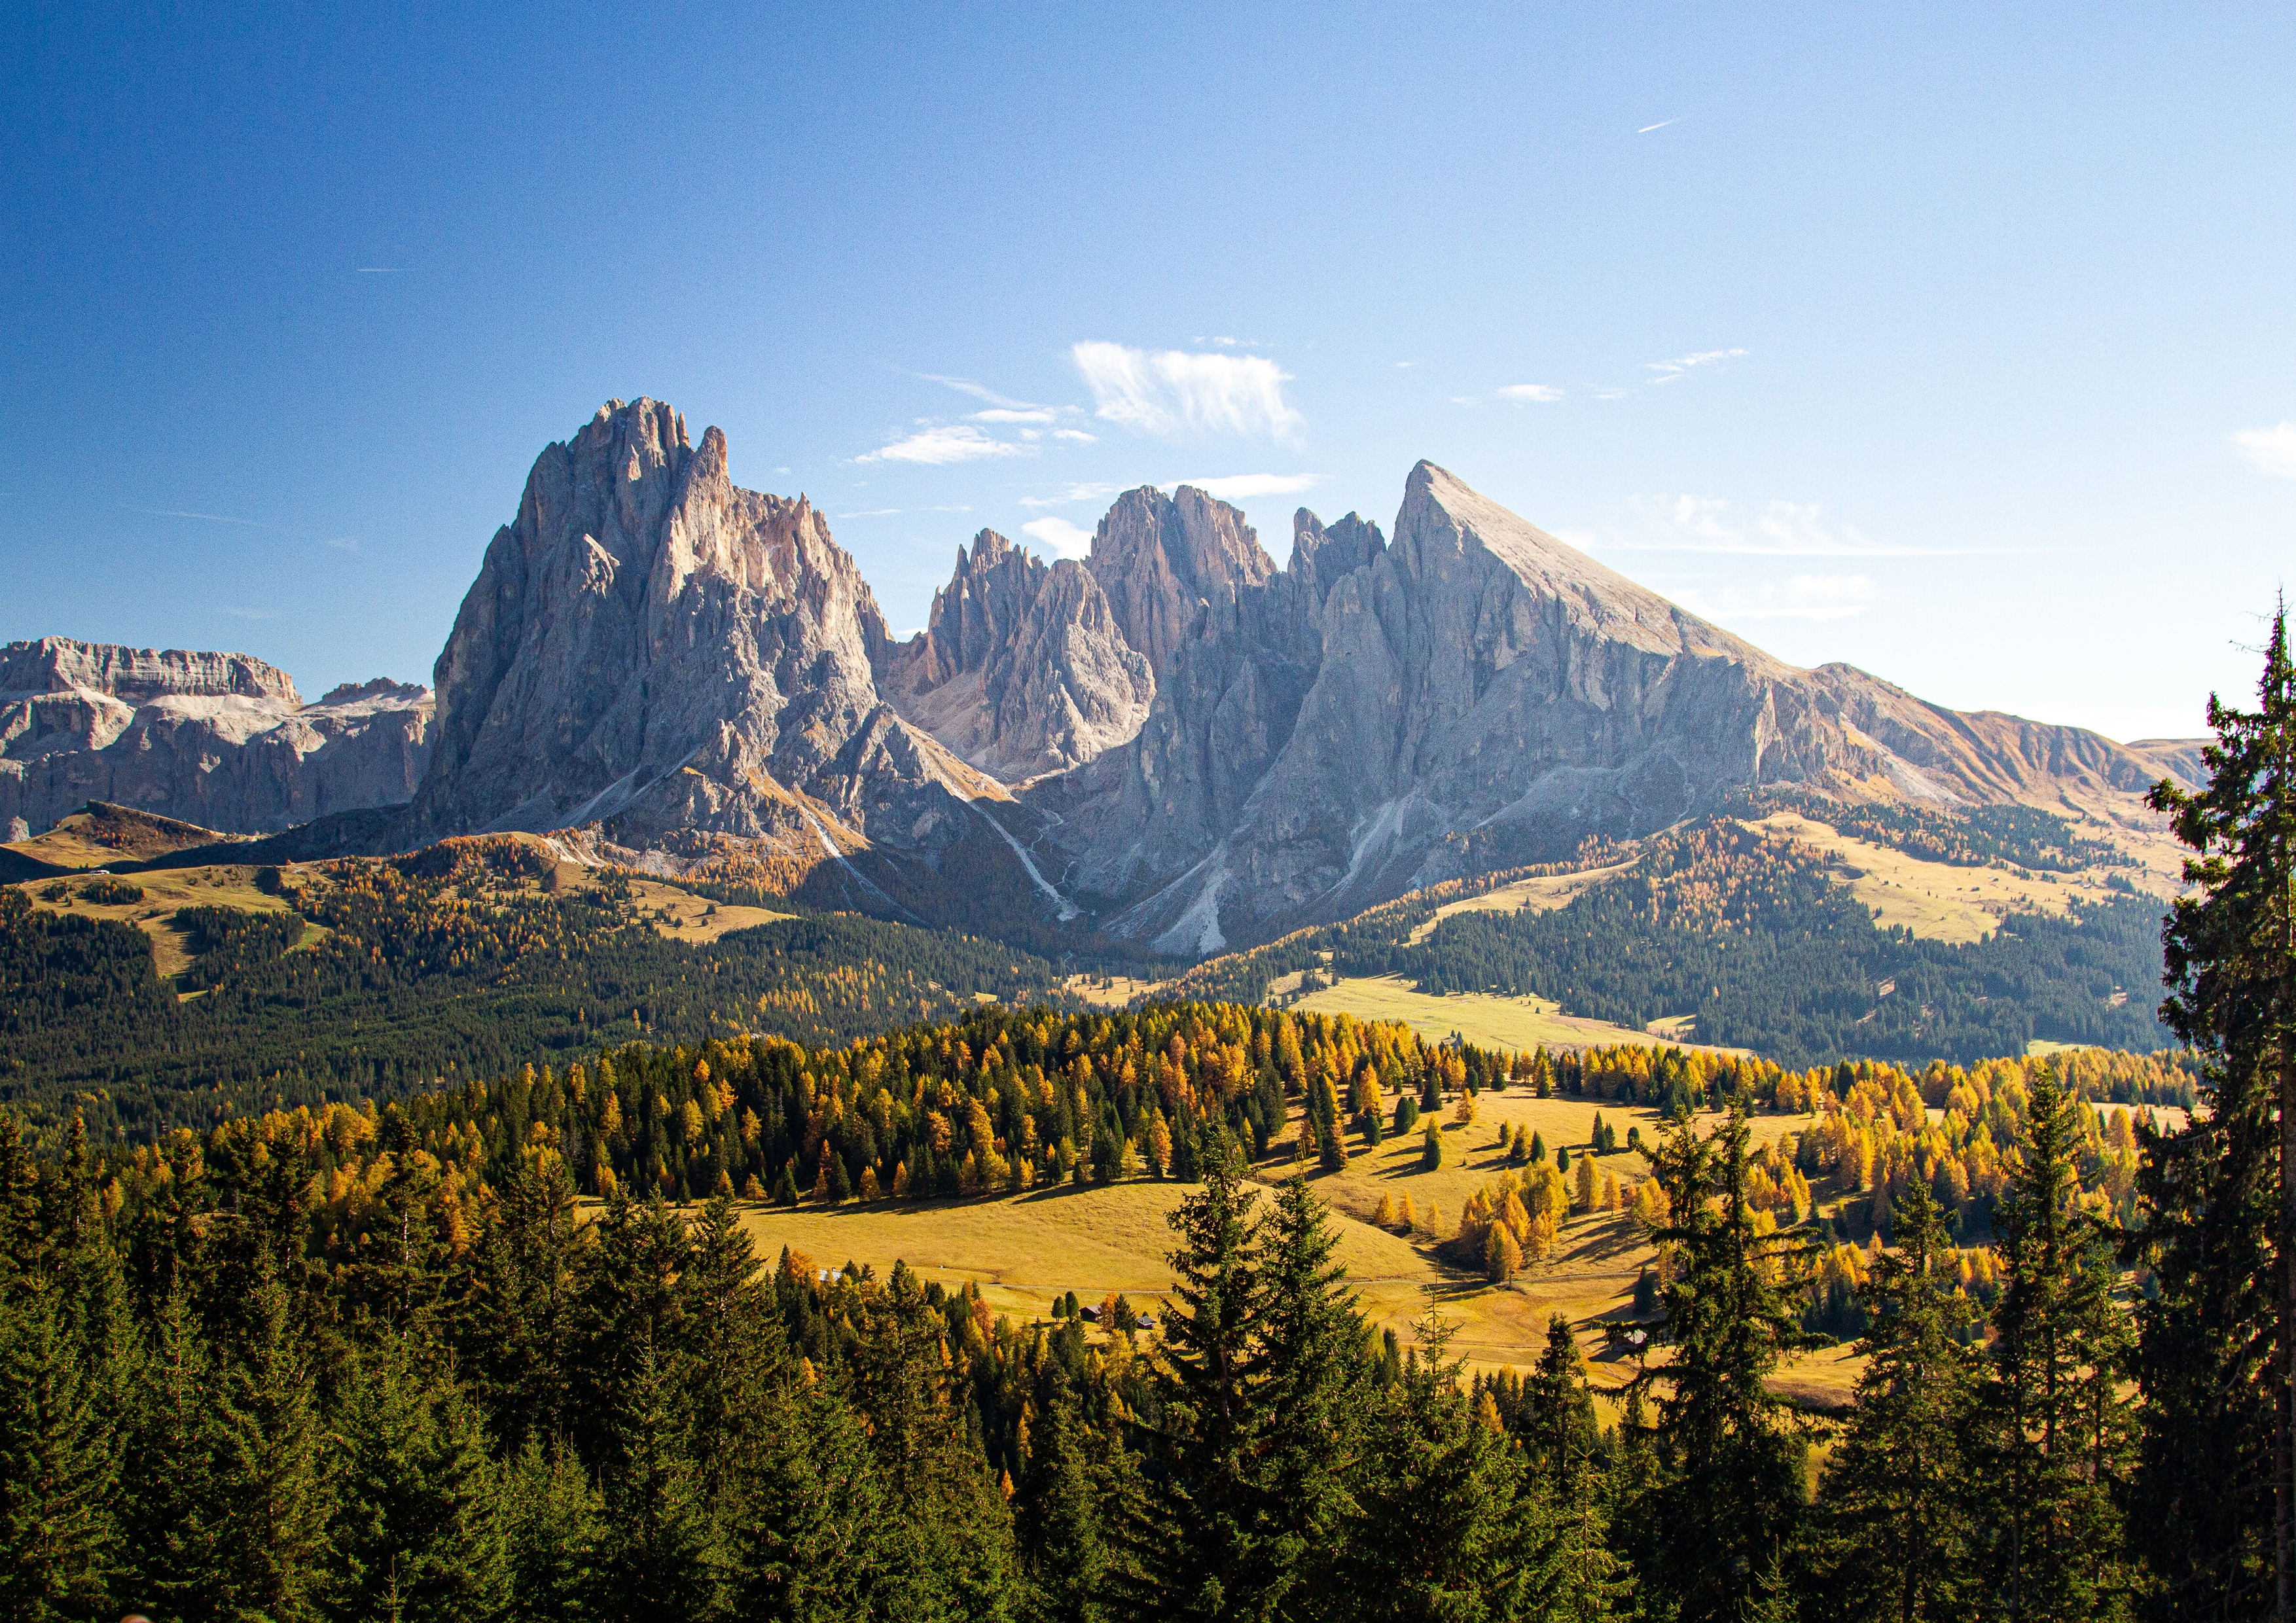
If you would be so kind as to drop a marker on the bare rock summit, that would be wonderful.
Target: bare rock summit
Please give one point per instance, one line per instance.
(221, 740)
(1022, 670)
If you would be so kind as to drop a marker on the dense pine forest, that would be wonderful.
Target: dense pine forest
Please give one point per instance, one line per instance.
(465, 960)
(1758, 936)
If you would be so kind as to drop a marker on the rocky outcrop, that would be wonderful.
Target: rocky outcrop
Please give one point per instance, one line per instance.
(1160, 558)
(653, 650)
(1021, 670)
(220, 740)
(1380, 716)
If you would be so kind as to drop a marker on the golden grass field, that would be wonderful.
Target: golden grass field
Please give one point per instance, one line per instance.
(165, 890)
(1936, 899)
(1025, 1250)
(1483, 1018)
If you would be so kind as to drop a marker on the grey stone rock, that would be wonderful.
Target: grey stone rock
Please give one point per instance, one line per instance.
(1162, 558)
(1022, 670)
(1377, 717)
(221, 740)
(652, 649)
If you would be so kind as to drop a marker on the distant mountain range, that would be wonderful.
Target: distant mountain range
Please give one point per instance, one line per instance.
(1173, 741)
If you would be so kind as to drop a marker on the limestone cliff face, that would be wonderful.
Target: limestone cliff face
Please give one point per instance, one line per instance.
(221, 740)
(1379, 717)
(1022, 670)
(1160, 557)
(652, 650)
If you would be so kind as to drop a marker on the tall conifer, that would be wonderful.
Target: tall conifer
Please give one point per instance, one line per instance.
(1896, 1540)
(1732, 1496)
(2214, 1501)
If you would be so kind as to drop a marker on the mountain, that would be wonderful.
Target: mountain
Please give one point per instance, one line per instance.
(221, 740)
(684, 664)
(1022, 670)
(1173, 742)
(1160, 557)
(1380, 716)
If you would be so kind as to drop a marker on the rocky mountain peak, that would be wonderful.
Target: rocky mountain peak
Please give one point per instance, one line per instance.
(1159, 557)
(652, 648)
(1022, 670)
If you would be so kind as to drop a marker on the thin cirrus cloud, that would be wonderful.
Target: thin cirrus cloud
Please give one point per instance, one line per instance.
(1070, 494)
(1540, 393)
(1682, 366)
(1064, 540)
(1798, 597)
(1243, 487)
(938, 445)
(1782, 530)
(1168, 392)
(2272, 449)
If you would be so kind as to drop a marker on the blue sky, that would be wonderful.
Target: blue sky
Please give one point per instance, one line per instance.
(1956, 343)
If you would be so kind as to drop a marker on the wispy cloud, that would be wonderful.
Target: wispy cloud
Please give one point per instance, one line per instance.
(966, 386)
(1800, 597)
(178, 512)
(869, 512)
(1076, 436)
(1682, 364)
(1172, 391)
(941, 444)
(1064, 540)
(1240, 486)
(342, 544)
(1782, 530)
(1069, 495)
(381, 270)
(1008, 414)
(252, 614)
(1661, 123)
(2272, 449)
(1541, 392)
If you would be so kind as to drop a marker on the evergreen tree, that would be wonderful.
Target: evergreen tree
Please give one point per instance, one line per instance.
(1080, 1495)
(172, 1511)
(663, 1561)
(1578, 1576)
(1728, 1507)
(1897, 1539)
(553, 1527)
(2060, 1427)
(2211, 1507)
(812, 1538)
(1309, 1358)
(418, 1532)
(59, 1540)
(1207, 1524)
(1449, 1525)
(271, 1497)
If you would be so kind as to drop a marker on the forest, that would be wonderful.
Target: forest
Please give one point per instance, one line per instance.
(459, 961)
(1755, 935)
(350, 1364)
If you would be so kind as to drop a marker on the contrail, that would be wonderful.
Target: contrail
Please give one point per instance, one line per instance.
(1661, 123)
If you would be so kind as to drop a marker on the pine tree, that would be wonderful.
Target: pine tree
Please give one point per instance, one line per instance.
(553, 1528)
(2060, 1432)
(418, 1533)
(1447, 1526)
(1080, 1493)
(1577, 1576)
(1309, 1355)
(172, 1510)
(1204, 1536)
(270, 1493)
(1898, 1541)
(59, 1538)
(1728, 1510)
(663, 1561)
(2211, 1508)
